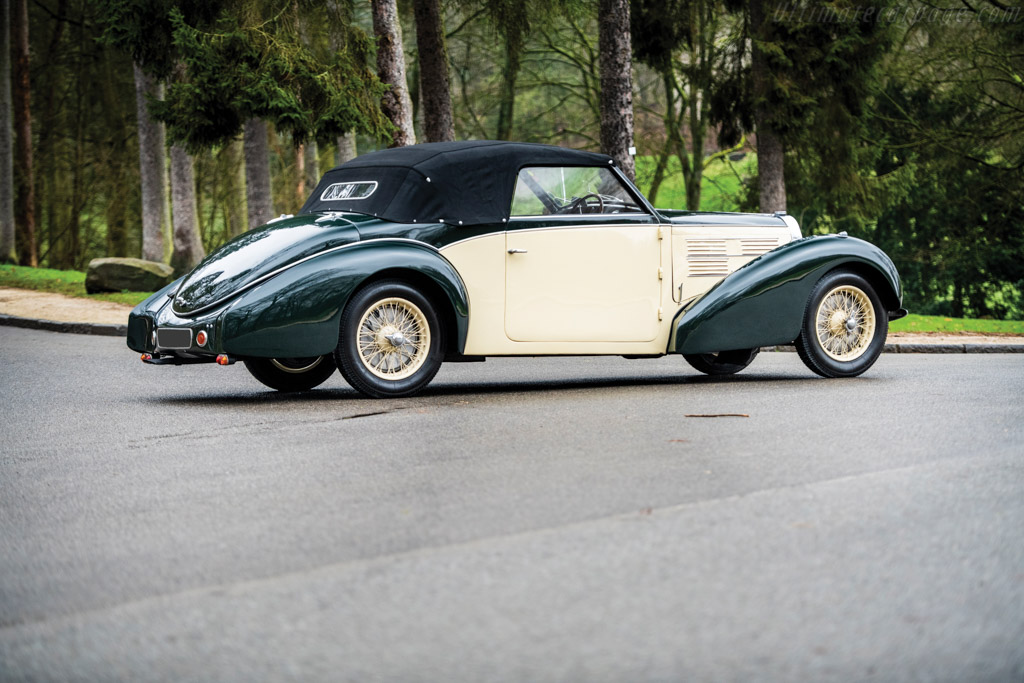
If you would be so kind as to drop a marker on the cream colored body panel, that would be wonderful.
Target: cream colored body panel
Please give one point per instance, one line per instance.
(586, 290)
(481, 262)
(702, 255)
(595, 283)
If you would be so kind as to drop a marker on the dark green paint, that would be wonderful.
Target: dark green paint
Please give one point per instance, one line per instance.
(258, 253)
(298, 311)
(140, 320)
(763, 302)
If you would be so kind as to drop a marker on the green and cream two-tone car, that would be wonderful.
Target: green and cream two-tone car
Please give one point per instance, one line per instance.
(405, 258)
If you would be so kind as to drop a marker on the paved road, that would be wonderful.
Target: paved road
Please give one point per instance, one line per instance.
(523, 520)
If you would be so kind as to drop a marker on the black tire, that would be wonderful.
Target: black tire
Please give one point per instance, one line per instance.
(844, 343)
(292, 374)
(380, 316)
(723, 362)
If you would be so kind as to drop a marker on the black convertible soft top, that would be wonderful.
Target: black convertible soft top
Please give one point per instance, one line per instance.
(460, 183)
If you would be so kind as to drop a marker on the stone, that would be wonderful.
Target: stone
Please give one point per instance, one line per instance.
(131, 274)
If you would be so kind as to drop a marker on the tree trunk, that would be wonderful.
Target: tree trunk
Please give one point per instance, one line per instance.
(395, 104)
(25, 221)
(669, 120)
(188, 246)
(50, 200)
(235, 216)
(770, 151)
(771, 176)
(507, 98)
(8, 254)
(435, 86)
(346, 148)
(257, 173)
(697, 132)
(300, 176)
(152, 167)
(311, 164)
(616, 83)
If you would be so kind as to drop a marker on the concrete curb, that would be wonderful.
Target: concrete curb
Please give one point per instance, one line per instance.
(70, 328)
(122, 331)
(932, 348)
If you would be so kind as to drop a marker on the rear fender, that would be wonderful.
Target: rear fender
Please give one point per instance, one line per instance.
(141, 320)
(297, 313)
(763, 302)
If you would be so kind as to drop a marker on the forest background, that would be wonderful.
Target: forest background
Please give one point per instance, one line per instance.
(162, 128)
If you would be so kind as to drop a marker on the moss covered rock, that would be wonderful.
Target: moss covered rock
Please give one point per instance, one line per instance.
(132, 274)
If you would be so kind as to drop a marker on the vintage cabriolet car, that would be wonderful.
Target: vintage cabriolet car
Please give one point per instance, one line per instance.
(404, 258)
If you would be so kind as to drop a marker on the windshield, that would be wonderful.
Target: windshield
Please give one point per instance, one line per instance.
(564, 190)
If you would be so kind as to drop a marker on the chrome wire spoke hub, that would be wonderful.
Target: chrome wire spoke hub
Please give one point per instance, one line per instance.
(845, 323)
(394, 338)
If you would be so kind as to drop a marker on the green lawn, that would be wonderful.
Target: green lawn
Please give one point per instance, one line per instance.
(938, 323)
(720, 185)
(68, 282)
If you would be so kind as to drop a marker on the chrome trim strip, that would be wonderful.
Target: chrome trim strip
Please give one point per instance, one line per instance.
(576, 216)
(264, 278)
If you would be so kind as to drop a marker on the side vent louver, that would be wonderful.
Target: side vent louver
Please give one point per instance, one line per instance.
(705, 247)
(706, 267)
(707, 258)
(755, 246)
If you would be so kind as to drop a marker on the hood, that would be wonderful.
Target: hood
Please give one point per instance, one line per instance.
(257, 254)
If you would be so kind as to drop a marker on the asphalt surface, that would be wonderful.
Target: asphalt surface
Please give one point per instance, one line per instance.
(523, 520)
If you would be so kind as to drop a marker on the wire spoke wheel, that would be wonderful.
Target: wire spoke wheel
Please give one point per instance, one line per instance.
(844, 326)
(393, 338)
(845, 323)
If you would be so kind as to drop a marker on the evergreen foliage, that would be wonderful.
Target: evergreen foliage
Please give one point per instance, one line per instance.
(904, 127)
(263, 66)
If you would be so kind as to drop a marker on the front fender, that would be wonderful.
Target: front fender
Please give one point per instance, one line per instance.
(763, 302)
(297, 313)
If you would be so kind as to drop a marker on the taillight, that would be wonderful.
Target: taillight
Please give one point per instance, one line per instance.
(201, 338)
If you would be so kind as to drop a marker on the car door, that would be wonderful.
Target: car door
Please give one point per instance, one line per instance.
(592, 276)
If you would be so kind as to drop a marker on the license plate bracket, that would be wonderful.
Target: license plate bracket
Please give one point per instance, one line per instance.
(174, 338)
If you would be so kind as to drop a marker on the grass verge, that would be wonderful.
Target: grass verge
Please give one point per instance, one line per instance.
(938, 323)
(67, 282)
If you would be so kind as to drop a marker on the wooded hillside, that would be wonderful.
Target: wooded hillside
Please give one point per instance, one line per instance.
(161, 128)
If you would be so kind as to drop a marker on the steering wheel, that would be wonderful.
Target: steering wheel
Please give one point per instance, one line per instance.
(583, 206)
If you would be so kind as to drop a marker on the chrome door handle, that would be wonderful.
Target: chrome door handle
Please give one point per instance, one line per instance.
(517, 251)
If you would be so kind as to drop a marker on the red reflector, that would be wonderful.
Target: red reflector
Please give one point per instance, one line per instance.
(147, 356)
(222, 359)
(201, 338)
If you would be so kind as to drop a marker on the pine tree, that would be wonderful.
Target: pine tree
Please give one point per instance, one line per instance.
(396, 103)
(616, 83)
(8, 253)
(435, 83)
(25, 216)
